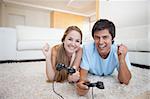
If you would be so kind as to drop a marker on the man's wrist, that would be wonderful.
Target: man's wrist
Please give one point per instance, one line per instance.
(122, 61)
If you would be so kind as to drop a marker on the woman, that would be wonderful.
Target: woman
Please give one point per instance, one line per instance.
(68, 52)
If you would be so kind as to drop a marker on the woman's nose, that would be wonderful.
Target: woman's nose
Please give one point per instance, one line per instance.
(73, 43)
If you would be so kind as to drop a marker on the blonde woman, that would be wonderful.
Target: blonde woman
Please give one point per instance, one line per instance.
(68, 52)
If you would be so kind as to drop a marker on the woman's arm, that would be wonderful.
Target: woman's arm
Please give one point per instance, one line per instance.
(76, 63)
(77, 59)
(49, 68)
(48, 52)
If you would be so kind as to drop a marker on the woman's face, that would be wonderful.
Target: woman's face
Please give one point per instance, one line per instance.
(103, 41)
(72, 42)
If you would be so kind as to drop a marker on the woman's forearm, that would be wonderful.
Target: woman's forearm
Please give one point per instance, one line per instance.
(50, 73)
(77, 60)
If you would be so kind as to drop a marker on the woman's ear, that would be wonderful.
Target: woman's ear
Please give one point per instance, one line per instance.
(62, 41)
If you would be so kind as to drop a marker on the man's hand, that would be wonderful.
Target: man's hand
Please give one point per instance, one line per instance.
(81, 88)
(74, 77)
(122, 51)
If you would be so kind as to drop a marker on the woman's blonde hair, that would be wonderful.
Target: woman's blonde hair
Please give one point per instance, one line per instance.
(62, 57)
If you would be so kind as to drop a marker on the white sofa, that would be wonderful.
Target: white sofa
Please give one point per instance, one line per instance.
(25, 43)
(138, 49)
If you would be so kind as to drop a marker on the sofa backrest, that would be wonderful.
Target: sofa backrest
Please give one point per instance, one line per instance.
(135, 44)
(29, 38)
(38, 33)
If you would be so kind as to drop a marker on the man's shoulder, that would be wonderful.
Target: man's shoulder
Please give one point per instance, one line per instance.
(114, 47)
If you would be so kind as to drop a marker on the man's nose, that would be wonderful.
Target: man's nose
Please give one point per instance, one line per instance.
(101, 40)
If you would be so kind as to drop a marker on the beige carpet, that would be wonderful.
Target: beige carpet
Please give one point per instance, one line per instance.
(28, 81)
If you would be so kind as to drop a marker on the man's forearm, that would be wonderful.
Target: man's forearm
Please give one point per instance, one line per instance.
(124, 74)
(80, 87)
(83, 75)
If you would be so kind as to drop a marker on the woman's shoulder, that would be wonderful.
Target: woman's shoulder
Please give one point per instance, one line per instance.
(55, 49)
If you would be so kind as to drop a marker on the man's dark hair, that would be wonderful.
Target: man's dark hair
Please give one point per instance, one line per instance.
(104, 24)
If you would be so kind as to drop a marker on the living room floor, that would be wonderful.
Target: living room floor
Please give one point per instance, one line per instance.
(27, 80)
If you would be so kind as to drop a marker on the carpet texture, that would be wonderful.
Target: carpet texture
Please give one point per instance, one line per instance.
(28, 81)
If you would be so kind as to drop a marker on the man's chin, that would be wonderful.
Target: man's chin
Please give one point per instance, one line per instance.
(102, 51)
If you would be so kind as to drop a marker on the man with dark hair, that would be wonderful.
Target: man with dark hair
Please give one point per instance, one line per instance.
(103, 56)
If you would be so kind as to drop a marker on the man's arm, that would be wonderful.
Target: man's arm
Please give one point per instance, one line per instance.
(124, 74)
(80, 87)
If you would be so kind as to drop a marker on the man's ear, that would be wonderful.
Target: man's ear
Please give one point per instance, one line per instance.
(112, 40)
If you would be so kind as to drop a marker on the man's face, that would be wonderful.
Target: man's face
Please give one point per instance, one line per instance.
(103, 41)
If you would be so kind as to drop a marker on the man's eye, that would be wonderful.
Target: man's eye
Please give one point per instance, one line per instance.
(96, 37)
(105, 37)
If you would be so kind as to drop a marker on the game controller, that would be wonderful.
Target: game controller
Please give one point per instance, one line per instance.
(70, 70)
(98, 84)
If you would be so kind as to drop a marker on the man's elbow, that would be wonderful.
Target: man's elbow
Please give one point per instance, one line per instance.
(126, 81)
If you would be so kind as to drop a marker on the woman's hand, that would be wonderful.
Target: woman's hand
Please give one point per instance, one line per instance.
(45, 49)
(74, 77)
(81, 88)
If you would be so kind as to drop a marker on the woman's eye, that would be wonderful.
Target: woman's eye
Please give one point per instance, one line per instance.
(69, 39)
(78, 41)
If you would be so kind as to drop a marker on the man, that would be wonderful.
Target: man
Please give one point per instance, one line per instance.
(102, 56)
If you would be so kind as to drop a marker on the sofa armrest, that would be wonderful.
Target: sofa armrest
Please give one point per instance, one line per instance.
(7, 43)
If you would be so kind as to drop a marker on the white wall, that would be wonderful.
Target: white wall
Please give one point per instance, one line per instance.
(148, 7)
(86, 26)
(92, 21)
(124, 13)
(32, 16)
(0, 13)
(130, 17)
(21, 15)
